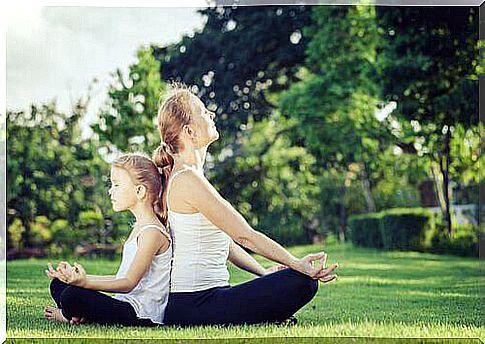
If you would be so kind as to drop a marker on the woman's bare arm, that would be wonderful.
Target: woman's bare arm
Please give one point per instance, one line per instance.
(201, 195)
(243, 260)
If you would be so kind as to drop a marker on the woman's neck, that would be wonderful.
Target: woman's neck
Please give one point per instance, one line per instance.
(193, 158)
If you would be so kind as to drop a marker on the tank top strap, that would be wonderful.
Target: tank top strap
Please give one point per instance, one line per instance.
(170, 184)
(161, 229)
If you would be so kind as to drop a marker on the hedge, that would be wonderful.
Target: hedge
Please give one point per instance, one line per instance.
(398, 228)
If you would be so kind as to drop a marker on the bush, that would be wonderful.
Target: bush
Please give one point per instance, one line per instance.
(405, 228)
(464, 240)
(399, 228)
(364, 230)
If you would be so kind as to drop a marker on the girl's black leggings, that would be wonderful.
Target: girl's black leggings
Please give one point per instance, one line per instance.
(94, 306)
(271, 298)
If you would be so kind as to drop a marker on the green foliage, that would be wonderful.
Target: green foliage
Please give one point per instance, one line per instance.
(334, 106)
(365, 230)
(464, 240)
(41, 232)
(404, 228)
(271, 181)
(430, 63)
(465, 150)
(53, 175)
(242, 54)
(15, 233)
(128, 121)
(91, 224)
(398, 228)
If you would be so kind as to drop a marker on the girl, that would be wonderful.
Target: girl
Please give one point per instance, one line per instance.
(142, 280)
(206, 231)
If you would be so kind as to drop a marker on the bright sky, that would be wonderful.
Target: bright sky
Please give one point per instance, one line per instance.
(55, 52)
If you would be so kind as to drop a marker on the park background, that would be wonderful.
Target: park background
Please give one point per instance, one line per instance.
(349, 128)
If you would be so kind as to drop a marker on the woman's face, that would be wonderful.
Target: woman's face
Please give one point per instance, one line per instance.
(122, 190)
(203, 124)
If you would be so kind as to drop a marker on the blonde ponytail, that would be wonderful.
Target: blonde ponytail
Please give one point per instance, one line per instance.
(164, 161)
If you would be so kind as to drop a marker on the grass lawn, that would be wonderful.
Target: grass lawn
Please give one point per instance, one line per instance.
(378, 294)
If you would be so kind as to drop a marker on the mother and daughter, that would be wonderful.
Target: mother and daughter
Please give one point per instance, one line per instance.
(173, 269)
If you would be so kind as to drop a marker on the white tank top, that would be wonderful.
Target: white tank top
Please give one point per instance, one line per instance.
(200, 251)
(150, 296)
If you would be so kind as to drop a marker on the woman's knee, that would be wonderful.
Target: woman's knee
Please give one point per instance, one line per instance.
(306, 286)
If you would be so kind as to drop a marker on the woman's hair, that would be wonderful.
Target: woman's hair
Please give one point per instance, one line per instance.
(173, 114)
(143, 171)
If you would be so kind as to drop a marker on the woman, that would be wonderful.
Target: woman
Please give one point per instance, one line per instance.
(206, 231)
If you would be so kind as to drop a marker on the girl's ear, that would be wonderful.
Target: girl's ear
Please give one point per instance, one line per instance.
(141, 191)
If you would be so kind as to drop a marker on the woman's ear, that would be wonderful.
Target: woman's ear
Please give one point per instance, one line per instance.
(141, 191)
(189, 131)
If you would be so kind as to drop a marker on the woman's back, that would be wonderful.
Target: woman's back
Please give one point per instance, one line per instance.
(200, 250)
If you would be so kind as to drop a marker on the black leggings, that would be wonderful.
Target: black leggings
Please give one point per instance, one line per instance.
(94, 306)
(271, 298)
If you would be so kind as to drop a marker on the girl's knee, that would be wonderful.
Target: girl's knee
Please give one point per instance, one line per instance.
(69, 297)
(56, 286)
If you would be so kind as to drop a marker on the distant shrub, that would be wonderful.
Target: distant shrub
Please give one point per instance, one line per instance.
(399, 228)
(464, 240)
(364, 230)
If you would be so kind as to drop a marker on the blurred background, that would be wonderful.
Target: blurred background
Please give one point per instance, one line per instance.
(338, 124)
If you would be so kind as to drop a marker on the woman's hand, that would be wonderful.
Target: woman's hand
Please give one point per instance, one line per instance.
(306, 266)
(274, 269)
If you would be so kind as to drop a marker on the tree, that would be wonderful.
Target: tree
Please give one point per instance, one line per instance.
(430, 66)
(335, 103)
(270, 181)
(241, 54)
(52, 173)
(128, 121)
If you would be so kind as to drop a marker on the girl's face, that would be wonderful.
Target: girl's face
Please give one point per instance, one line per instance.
(203, 124)
(122, 191)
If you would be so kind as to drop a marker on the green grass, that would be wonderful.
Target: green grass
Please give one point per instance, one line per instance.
(378, 293)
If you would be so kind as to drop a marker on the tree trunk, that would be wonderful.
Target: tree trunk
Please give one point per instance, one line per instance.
(371, 206)
(343, 215)
(445, 160)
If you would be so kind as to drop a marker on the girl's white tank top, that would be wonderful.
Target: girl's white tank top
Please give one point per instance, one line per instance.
(150, 297)
(200, 251)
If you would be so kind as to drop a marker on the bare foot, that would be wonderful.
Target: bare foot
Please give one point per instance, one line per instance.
(54, 314)
(77, 321)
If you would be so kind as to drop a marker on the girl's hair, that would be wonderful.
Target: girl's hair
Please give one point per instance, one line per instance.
(173, 114)
(143, 171)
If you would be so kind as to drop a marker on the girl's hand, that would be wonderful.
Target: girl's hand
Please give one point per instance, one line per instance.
(50, 272)
(64, 268)
(77, 276)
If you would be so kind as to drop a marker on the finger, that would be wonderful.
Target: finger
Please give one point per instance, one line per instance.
(80, 268)
(329, 270)
(329, 278)
(50, 267)
(49, 274)
(315, 256)
(318, 271)
(324, 260)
